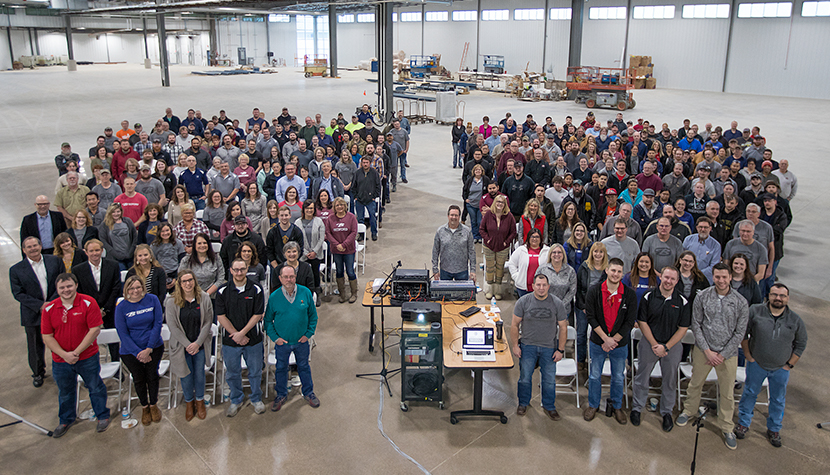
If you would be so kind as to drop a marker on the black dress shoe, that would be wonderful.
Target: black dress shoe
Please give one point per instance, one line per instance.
(635, 418)
(37, 381)
(668, 424)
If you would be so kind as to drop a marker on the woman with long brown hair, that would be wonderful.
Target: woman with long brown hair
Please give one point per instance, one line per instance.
(498, 230)
(148, 269)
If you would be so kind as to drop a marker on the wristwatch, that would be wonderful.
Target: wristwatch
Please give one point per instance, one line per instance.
(665, 347)
(561, 351)
(788, 365)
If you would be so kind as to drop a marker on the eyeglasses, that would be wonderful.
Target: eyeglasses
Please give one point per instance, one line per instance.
(187, 281)
(238, 270)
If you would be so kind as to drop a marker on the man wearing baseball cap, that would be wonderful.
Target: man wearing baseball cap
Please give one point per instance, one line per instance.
(65, 156)
(608, 207)
(519, 189)
(586, 208)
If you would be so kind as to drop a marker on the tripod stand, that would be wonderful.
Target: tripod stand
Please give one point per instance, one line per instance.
(47, 433)
(384, 373)
(698, 423)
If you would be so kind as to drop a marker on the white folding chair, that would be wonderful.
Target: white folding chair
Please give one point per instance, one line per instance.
(740, 377)
(109, 369)
(123, 276)
(164, 371)
(567, 368)
(217, 246)
(656, 373)
(200, 213)
(360, 248)
(272, 361)
(606, 371)
(684, 373)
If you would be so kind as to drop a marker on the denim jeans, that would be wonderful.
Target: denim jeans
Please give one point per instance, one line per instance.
(475, 220)
(598, 356)
(581, 335)
(755, 376)
(66, 377)
(402, 165)
(766, 284)
(521, 293)
(370, 208)
(199, 202)
(457, 155)
(193, 385)
(531, 356)
(282, 353)
(233, 362)
(344, 263)
(465, 275)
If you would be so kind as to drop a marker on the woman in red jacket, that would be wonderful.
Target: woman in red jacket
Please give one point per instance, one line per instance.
(341, 233)
(498, 230)
(533, 217)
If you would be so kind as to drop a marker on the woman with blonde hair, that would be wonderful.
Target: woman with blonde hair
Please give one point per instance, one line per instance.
(69, 253)
(577, 245)
(590, 273)
(498, 231)
(189, 314)
(148, 269)
(533, 218)
(119, 236)
(561, 276)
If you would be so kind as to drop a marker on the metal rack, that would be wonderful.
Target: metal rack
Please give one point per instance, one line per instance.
(422, 364)
(493, 64)
(602, 86)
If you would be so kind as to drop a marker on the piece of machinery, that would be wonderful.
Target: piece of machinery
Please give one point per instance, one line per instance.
(421, 312)
(452, 290)
(422, 361)
(597, 87)
(410, 285)
(421, 66)
(493, 63)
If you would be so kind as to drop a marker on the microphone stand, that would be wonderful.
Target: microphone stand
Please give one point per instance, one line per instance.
(698, 423)
(383, 373)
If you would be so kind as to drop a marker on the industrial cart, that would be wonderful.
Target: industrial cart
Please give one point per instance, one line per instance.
(315, 67)
(420, 66)
(598, 87)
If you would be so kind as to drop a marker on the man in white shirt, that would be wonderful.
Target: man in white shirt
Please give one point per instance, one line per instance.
(787, 180)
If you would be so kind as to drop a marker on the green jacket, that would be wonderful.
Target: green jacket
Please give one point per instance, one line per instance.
(291, 321)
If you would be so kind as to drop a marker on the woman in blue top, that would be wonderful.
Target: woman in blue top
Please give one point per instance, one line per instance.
(577, 245)
(642, 277)
(138, 320)
(633, 194)
(681, 214)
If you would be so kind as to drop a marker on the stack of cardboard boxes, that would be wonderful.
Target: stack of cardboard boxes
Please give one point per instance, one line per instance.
(644, 72)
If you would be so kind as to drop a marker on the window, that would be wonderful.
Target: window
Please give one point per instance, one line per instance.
(815, 9)
(464, 15)
(495, 15)
(365, 17)
(394, 17)
(305, 36)
(322, 36)
(437, 16)
(278, 18)
(345, 18)
(765, 10)
(560, 13)
(529, 14)
(658, 12)
(411, 16)
(706, 11)
(606, 13)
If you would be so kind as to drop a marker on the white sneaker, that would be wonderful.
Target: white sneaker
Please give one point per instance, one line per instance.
(233, 410)
(259, 407)
(295, 381)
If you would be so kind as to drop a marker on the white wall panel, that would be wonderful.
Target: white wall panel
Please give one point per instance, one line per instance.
(250, 35)
(559, 40)
(5, 59)
(407, 35)
(602, 40)
(448, 37)
(284, 40)
(355, 42)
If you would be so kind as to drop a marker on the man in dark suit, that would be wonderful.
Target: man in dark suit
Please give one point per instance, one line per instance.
(33, 285)
(43, 224)
(100, 279)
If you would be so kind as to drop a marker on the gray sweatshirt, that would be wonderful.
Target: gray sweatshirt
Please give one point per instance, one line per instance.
(773, 340)
(562, 284)
(456, 250)
(719, 323)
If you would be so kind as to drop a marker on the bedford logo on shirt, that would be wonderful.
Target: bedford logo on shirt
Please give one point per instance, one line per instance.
(138, 312)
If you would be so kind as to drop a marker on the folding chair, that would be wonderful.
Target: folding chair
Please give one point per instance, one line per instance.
(210, 365)
(606, 371)
(567, 368)
(123, 278)
(200, 213)
(109, 369)
(684, 373)
(741, 378)
(271, 360)
(217, 246)
(360, 248)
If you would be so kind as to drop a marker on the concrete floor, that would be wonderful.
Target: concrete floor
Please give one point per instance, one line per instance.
(40, 109)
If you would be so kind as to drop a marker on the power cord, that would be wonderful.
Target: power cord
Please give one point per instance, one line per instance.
(394, 445)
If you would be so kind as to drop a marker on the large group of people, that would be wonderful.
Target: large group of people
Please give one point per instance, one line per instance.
(206, 222)
(631, 225)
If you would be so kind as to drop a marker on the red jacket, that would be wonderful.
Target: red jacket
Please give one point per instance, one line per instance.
(119, 161)
(497, 237)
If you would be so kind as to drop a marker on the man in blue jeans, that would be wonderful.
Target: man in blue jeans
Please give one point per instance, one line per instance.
(239, 307)
(366, 188)
(455, 250)
(775, 339)
(544, 325)
(611, 309)
(70, 324)
(291, 319)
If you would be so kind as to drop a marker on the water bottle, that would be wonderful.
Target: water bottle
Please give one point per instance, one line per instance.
(493, 303)
(125, 414)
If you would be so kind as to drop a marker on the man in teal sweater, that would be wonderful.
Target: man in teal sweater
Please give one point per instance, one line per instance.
(290, 320)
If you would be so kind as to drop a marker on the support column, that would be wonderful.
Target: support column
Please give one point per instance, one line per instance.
(36, 41)
(332, 41)
(478, 34)
(268, 52)
(733, 13)
(577, 20)
(546, 18)
(71, 65)
(147, 63)
(9, 36)
(31, 42)
(163, 60)
(383, 38)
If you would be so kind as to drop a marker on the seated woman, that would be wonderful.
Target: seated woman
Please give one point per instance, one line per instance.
(169, 251)
(292, 251)
(141, 343)
(148, 269)
(82, 228)
(189, 314)
(248, 253)
(153, 218)
(69, 253)
(214, 213)
(525, 260)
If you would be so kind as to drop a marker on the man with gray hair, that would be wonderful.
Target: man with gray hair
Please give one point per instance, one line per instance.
(453, 250)
(633, 231)
(72, 197)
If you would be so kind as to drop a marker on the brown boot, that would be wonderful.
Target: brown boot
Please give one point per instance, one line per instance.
(341, 288)
(353, 288)
(201, 410)
(189, 411)
(146, 418)
(619, 415)
(155, 413)
(589, 413)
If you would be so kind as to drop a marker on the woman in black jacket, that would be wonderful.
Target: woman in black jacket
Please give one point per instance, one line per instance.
(305, 276)
(591, 272)
(148, 269)
(457, 154)
(692, 279)
(82, 229)
(474, 188)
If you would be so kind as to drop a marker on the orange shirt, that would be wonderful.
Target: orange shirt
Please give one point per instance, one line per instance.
(124, 134)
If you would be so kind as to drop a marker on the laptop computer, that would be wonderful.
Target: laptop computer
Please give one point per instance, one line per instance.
(478, 344)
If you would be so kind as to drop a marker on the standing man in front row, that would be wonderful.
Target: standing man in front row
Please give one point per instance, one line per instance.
(775, 339)
(290, 320)
(33, 285)
(544, 325)
(664, 317)
(70, 325)
(611, 309)
(454, 250)
(239, 307)
(719, 317)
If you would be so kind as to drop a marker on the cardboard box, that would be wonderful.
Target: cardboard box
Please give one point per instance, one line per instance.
(639, 84)
(634, 62)
(647, 70)
(651, 83)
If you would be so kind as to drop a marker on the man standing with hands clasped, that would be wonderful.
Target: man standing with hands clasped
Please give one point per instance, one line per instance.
(719, 317)
(775, 339)
(70, 325)
(664, 317)
(544, 324)
(453, 248)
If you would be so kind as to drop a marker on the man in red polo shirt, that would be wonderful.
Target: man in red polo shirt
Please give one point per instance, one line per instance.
(132, 202)
(70, 324)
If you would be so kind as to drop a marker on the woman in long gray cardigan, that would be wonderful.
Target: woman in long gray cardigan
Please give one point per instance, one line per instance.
(189, 314)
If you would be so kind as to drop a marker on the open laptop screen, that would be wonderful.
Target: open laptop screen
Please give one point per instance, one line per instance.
(478, 337)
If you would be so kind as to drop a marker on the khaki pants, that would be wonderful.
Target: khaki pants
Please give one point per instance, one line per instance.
(494, 265)
(726, 387)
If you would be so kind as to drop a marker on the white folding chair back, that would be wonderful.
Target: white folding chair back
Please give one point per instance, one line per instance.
(123, 276)
(740, 377)
(684, 373)
(109, 369)
(567, 368)
(200, 213)
(217, 246)
(164, 367)
(271, 360)
(656, 372)
(360, 247)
